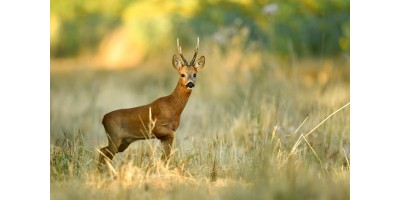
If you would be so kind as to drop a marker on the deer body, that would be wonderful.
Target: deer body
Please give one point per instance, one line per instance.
(125, 126)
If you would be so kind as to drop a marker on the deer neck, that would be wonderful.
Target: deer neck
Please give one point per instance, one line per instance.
(179, 97)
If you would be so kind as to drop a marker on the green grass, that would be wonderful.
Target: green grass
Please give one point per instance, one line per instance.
(243, 133)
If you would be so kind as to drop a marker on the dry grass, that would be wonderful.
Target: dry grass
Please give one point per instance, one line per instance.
(254, 128)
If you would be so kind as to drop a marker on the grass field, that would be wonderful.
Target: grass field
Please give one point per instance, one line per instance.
(254, 128)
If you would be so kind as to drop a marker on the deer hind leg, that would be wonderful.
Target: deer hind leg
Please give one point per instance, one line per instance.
(125, 144)
(109, 151)
(113, 132)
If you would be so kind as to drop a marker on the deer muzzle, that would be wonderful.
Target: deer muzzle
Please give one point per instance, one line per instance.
(190, 85)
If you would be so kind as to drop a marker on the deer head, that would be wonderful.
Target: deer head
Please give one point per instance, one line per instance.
(188, 71)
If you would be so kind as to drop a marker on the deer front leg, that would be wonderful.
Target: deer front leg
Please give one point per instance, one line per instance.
(166, 136)
(167, 145)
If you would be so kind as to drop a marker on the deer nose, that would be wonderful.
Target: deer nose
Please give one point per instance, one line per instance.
(190, 85)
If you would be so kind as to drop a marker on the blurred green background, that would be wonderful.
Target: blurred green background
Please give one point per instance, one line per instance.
(123, 33)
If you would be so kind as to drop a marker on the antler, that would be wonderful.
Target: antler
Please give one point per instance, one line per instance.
(195, 53)
(180, 52)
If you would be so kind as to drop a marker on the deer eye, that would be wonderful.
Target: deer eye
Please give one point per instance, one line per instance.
(182, 75)
(194, 75)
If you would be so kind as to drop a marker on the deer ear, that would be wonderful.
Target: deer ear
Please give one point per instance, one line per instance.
(176, 62)
(200, 63)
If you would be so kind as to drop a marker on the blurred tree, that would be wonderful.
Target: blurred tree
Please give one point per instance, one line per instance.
(310, 27)
(81, 24)
(302, 27)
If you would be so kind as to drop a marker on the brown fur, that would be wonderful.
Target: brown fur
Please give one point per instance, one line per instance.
(125, 126)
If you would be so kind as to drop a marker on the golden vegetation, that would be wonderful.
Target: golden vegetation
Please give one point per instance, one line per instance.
(251, 130)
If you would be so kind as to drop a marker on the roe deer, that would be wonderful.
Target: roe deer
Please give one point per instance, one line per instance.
(125, 126)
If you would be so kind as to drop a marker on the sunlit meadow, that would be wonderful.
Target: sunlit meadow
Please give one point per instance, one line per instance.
(252, 128)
